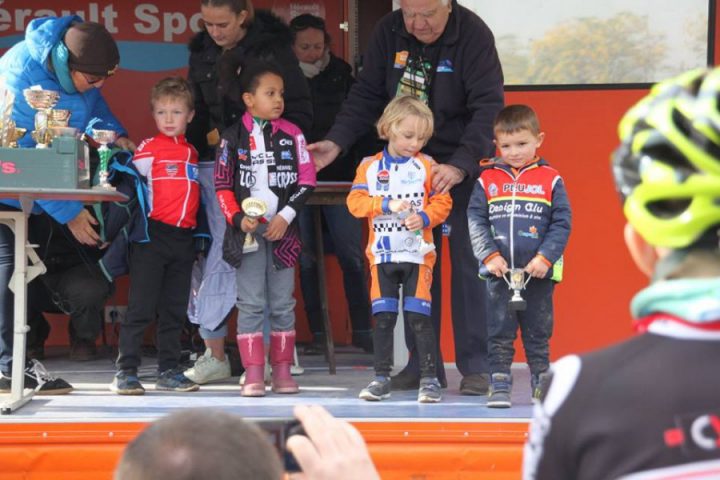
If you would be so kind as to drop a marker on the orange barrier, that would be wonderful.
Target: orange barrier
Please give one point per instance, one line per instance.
(413, 450)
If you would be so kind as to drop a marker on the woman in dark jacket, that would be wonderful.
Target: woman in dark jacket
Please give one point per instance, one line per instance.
(234, 35)
(330, 79)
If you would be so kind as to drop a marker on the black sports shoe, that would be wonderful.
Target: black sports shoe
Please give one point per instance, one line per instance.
(378, 389)
(475, 384)
(429, 391)
(174, 380)
(126, 382)
(38, 378)
(500, 390)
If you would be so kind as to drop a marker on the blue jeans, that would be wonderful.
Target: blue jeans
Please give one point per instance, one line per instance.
(7, 265)
(346, 235)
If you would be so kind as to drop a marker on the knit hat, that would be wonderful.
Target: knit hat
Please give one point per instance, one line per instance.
(92, 49)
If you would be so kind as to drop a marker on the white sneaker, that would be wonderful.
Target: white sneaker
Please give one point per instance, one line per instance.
(208, 368)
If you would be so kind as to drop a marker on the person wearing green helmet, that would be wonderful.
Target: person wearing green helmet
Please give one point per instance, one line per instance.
(649, 407)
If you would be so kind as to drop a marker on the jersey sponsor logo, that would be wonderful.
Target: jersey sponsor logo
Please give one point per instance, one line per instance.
(302, 148)
(246, 179)
(263, 158)
(242, 154)
(286, 155)
(171, 169)
(193, 172)
(523, 188)
(401, 59)
(531, 232)
(493, 190)
(253, 145)
(494, 208)
(697, 434)
(286, 142)
(223, 153)
(282, 179)
(383, 180)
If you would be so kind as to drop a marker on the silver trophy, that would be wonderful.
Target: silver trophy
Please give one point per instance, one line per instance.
(421, 246)
(104, 137)
(42, 101)
(517, 283)
(253, 208)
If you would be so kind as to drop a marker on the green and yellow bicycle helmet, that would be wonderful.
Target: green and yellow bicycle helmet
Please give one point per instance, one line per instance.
(667, 168)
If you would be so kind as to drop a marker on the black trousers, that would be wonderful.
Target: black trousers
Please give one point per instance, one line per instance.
(468, 295)
(79, 291)
(160, 273)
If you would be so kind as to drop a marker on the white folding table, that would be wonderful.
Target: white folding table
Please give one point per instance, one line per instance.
(24, 273)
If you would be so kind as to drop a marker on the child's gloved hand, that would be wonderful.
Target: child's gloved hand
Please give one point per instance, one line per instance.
(497, 266)
(396, 206)
(414, 222)
(537, 267)
(276, 228)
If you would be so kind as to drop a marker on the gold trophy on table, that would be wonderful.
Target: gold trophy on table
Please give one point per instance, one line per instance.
(104, 137)
(42, 101)
(254, 208)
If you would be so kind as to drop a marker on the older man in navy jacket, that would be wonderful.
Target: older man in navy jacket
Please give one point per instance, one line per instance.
(444, 54)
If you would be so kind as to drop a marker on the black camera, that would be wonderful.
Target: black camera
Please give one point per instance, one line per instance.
(278, 432)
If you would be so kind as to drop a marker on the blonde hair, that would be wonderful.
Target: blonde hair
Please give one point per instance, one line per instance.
(514, 118)
(176, 88)
(398, 110)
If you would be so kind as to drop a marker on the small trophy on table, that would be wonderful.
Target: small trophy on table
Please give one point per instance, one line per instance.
(104, 137)
(517, 283)
(42, 101)
(253, 208)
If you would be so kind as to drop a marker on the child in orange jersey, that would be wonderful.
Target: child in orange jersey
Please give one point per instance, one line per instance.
(393, 189)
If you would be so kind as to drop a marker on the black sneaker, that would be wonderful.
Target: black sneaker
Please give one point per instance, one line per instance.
(174, 380)
(500, 390)
(539, 384)
(429, 391)
(475, 384)
(38, 379)
(378, 389)
(126, 382)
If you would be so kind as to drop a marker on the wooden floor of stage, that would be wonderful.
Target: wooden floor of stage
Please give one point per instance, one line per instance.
(81, 435)
(91, 401)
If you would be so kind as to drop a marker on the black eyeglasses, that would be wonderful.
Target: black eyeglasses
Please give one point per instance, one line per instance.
(93, 79)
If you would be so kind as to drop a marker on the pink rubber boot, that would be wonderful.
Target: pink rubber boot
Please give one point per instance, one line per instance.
(252, 354)
(282, 345)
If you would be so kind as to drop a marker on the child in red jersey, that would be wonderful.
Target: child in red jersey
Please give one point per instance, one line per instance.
(160, 270)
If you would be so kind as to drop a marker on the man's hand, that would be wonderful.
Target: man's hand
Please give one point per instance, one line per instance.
(414, 222)
(276, 228)
(396, 206)
(445, 177)
(82, 228)
(125, 143)
(333, 448)
(497, 266)
(537, 267)
(324, 153)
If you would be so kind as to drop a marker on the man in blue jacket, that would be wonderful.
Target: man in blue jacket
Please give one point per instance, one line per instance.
(444, 54)
(73, 58)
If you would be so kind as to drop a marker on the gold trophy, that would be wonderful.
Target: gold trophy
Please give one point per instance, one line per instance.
(104, 137)
(421, 246)
(42, 101)
(517, 284)
(253, 208)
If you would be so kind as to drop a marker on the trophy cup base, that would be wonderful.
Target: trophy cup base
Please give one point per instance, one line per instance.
(517, 305)
(104, 187)
(425, 248)
(250, 245)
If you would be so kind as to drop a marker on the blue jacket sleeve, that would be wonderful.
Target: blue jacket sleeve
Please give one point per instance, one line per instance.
(61, 210)
(481, 236)
(556, 238)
